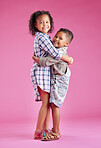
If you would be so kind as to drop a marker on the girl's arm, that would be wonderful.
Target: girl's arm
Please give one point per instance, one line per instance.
(47, 45)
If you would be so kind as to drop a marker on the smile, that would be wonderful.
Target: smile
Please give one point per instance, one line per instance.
(45, 28)
(55, 42)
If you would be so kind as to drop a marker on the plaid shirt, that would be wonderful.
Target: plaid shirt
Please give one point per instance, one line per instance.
(41, 75)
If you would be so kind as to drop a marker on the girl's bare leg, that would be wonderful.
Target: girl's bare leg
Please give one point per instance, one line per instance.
(46, 123)
(56, 117)
(43, 110)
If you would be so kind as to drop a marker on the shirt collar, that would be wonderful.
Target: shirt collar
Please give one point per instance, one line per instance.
(64, 49)
(41, 33)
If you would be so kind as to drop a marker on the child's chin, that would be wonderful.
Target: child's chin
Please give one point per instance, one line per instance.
(55, 45)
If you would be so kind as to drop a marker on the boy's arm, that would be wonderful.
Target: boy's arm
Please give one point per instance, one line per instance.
(36, 59)
(48, 61)
(45, 61)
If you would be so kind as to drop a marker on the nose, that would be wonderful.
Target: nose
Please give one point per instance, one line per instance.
(57, 39)
(44, 23)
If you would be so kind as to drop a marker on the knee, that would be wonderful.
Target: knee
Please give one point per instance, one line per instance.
(53, 106)
(46, 105)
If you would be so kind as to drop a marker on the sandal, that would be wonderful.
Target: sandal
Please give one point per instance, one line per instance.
(51, 136)
(39, 135)
(44, 132)
(52, 130)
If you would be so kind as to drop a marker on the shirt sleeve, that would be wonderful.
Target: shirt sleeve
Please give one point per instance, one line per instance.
(59, 65)
(47, 45)
(48, 61)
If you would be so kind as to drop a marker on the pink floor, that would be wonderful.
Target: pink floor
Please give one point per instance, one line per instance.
(84, 133)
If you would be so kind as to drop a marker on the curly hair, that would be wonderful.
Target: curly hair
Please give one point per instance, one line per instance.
(68, 33)
(33, 18)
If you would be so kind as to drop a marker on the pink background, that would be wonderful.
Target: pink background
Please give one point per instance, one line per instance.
(83, 18)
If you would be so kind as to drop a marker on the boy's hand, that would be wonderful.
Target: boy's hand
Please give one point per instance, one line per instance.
(71, 61)
(36, 59)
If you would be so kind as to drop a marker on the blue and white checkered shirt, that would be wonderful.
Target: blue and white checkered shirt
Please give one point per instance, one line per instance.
(41, 75)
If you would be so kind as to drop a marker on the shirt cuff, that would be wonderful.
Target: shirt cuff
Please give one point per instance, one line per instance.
(42, 61)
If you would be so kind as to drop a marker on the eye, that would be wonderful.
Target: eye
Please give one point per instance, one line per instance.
(60, 38)
(41, 22)
(56, 36)
(47, 22)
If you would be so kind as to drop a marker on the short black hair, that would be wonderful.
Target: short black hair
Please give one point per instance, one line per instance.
(33, 18)
(68, 33)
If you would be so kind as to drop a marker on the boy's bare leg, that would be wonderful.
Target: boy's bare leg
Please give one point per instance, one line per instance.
(56, 117)
(43, 110)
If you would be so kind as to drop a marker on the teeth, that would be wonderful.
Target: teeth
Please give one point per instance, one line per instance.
(44, 28)
(55, 42)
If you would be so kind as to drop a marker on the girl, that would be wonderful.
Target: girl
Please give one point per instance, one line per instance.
(60, 75)
(40, 24)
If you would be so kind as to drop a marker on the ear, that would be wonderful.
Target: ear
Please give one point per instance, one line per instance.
(66, 44)
(35, 24)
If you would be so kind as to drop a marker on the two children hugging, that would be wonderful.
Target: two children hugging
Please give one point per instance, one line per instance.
(50, 73)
